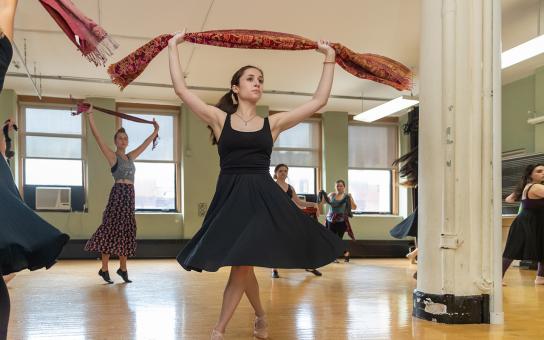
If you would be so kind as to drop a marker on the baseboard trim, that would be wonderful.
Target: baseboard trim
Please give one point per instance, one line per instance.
(451, 309)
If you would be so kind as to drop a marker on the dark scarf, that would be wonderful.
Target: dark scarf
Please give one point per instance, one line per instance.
(84, 107)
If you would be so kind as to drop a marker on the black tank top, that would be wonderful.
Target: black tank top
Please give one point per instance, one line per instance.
(245, 152)
(532, 203)
(289, 191)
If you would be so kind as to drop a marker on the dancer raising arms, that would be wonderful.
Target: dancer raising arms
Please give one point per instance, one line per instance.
(117, 233)
(250, 221)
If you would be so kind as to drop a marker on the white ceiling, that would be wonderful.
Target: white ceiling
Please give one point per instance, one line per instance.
(357, 24)
(520, 24)
(390, 28)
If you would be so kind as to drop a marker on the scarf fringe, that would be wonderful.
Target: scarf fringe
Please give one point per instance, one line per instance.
(104, 49)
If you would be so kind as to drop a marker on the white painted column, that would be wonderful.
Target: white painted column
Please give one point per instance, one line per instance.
(459, 162)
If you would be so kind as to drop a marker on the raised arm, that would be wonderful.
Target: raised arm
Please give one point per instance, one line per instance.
(108, 153)
(511, 198)
(136, 152)
(7, 17)
(285, 120)
(209, 114)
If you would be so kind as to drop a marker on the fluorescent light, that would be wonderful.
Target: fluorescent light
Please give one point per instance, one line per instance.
(386, 109)
(523, 52)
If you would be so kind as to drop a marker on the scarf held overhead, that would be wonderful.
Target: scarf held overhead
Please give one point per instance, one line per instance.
(363, 65)
(92, 40)
(83, 107)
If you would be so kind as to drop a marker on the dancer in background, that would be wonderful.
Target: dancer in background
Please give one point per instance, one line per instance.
(117, 233)
(341, 206)
(281, 171)
(526, 236)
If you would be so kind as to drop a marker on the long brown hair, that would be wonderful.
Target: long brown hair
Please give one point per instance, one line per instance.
(525, 179)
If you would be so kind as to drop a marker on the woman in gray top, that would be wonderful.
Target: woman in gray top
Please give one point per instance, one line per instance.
(117, 233)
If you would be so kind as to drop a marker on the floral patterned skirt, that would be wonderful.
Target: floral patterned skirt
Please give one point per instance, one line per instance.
(117, 233)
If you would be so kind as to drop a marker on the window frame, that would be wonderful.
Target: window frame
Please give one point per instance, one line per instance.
(319, 150)
(25, 103)
(394, 178)
(391, 193)
(160, 110)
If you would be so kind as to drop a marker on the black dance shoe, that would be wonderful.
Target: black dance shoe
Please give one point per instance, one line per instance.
(314, 271)
(275, 274)
(124, 275)
(105, 275)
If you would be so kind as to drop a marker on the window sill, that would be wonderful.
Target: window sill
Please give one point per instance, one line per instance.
(375, 215)
(158, 213)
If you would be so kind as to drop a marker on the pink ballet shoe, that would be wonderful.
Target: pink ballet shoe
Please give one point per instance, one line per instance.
(260, 330)
(217, 335)
(412, 257)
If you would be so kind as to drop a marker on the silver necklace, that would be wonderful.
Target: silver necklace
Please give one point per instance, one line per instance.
(245, 121)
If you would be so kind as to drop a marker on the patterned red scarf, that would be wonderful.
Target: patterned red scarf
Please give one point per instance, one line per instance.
(84, 107)
(366, 66)
(89, 38)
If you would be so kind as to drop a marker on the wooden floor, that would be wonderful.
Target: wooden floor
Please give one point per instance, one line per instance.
(365, 299)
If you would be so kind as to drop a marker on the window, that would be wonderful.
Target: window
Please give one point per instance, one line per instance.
(156, 170)
(298, 148)
(372, 150)
(52, 147)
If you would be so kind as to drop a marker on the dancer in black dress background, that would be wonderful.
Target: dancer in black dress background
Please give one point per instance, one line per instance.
(281, 172)
(250, 221)
(526, 236)
(117, 233)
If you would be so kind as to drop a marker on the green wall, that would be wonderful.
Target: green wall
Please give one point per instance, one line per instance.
(517, 99)
(199, 169)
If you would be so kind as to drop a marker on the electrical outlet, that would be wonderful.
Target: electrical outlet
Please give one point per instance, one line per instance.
(202, 209)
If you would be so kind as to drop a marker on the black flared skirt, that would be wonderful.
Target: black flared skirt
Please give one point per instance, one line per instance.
(251, 222)
(26, 240)
(526, 236)
(407, 227)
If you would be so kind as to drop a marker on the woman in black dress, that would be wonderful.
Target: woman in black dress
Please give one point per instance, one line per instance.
(526, 236)
(26, 240)
(250, 221)
(280, 175)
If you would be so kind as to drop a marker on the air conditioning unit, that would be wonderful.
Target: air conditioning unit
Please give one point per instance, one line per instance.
(54, 198)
